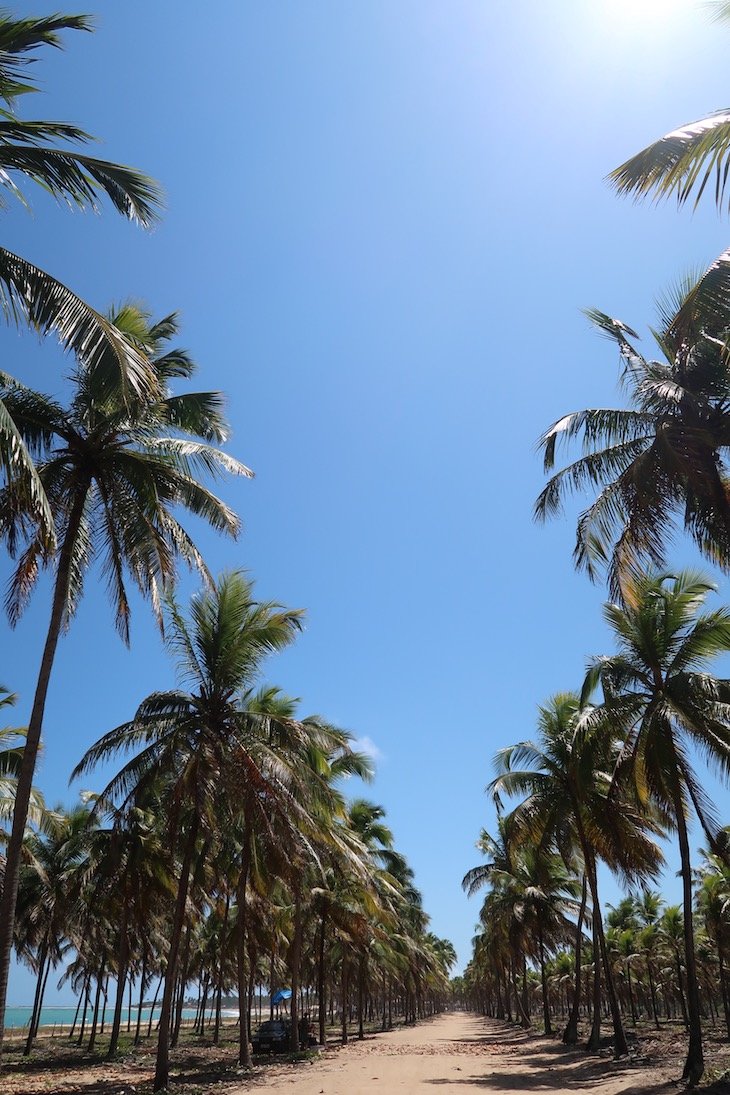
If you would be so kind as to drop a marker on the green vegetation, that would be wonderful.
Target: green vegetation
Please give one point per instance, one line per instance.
(223, 855)
(608, 776)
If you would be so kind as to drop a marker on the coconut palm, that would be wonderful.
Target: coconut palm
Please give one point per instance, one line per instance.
(29, 152)
(664, 457)
(204, 742)
(45, 899)
(12, 740)
(686, 162)
(117, 472)
(662, 700)
(566, 779)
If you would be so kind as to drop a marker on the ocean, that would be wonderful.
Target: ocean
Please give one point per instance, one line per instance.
(18, 1017)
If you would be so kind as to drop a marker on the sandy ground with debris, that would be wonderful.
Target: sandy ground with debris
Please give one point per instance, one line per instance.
(470, 1054)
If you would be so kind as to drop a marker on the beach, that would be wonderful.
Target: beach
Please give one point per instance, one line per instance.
(457, 1049)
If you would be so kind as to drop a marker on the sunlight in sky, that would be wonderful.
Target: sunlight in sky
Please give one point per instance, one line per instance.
(633, 11)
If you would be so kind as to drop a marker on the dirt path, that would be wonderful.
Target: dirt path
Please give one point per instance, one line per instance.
(469, 1054)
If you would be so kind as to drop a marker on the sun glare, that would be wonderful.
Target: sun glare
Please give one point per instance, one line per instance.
(645, 10)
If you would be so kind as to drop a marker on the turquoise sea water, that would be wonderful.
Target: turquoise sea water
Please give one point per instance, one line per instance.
(18, 1017)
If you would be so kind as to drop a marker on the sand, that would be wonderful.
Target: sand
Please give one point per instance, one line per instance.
(469, 1054)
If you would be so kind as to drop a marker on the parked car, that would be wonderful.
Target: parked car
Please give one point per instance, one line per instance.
(274, 1036)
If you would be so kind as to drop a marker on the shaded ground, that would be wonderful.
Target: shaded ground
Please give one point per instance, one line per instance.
(456, 1050)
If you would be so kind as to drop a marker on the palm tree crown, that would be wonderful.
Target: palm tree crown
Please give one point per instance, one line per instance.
(664, 457)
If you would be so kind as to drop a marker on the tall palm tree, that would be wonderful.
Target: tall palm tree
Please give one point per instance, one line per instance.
(115, 471)
(29, 152)
(662, 700)
(664, 457)
(203, 742)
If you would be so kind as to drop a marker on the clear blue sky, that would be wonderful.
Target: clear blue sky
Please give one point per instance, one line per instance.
(382, 222)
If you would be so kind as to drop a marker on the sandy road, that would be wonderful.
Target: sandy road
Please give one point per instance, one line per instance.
(467, 1053)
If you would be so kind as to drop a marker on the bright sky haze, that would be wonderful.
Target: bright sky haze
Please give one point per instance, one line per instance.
(382, 222)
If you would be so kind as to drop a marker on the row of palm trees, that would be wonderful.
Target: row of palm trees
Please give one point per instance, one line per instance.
(613, 768)
(603, 781)
(223, 853)
(645, 947)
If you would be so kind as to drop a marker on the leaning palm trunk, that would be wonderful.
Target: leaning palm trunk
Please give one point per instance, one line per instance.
(694, 1065)
(32, 744)
(570, 1034)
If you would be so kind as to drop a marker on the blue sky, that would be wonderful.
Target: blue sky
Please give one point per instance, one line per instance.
(382, 222)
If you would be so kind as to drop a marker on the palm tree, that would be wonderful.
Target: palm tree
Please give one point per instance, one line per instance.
(11, 759)
(115, 470)
(713, 905)
(201, 741)
(566, 779)
(45, 898)
(28, 152)
(661, 699)
(665, 456)
(685, 162)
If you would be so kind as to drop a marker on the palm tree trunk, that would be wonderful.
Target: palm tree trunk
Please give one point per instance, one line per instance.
(141, 994)
(570, 1034)
(219, 986)
(360, 996)
(244, 1044)
(76, 1016)
(162, 1065)
(97, 999)
(121, 977)
(154, 1005)
(620, 1046)
(723, 980)
(521, 1010)
(35, 1013)
(295, 955)
(344, 999)
(183, 984)
(631, 994)
(87, 992)
(652, 991)
(694, 1066)
(543, 978)
(321, 1000)
(30, 750)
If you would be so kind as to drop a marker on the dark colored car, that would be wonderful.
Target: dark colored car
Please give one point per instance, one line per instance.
(274, 1036)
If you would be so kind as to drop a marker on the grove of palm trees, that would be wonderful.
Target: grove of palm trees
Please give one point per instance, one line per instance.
(618, 766)
(224, 856)
(216, 872)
